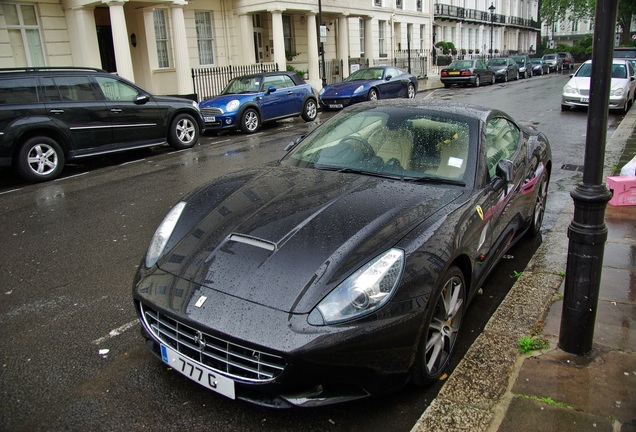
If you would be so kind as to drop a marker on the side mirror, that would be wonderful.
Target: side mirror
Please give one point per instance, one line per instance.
(271, 89)
(504, 171)
(141, 99)
(388, 77)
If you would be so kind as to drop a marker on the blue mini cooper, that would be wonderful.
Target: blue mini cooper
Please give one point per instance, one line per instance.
(251, 100)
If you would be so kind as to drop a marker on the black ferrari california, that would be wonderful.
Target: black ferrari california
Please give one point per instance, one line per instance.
(344, 269)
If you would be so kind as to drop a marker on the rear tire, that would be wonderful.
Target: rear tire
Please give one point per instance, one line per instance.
(477, 81)
(184, 132)
(410, 91)
(539, 207)
(441, 328)
(310, 110)
(40, 159)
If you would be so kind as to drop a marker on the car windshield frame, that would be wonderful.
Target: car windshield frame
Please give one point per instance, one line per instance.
(244, 84)
(442, 147)
(497, 62)
(462, 64)
(366, 74)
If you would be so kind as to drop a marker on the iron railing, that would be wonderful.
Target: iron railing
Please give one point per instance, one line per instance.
(209, 82)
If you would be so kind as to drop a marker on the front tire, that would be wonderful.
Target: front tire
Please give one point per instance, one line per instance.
(184, 132)
(310, 110)
(40, 159)
(539, 207)
(477, 81)
(373, 95)
(250, 121)
(441, 328)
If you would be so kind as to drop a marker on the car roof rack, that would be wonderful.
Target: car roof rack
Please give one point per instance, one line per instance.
(48, 68)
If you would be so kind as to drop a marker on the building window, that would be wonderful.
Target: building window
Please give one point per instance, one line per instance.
(418, 4)
(161, 38)
(377, 3)
(422, 34)
(382, 38)
(205, 37)
(24, 34)
(398, 4)
(361, 37)
(290, 49)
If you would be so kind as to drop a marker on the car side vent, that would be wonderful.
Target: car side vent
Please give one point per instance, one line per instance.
(239, 238)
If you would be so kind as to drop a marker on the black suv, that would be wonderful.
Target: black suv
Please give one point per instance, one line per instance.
(51, 115)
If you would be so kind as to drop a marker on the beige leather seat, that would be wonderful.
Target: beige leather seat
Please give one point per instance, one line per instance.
(393, 144)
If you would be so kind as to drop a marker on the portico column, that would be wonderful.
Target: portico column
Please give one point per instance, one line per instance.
(368, 40)
(313, 72)
(181, 59)
(120, 39)
(84, 34)
(279, 39)
(343, 44)
(247, 39)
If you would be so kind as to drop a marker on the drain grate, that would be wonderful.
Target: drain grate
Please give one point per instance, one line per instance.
(569, 167)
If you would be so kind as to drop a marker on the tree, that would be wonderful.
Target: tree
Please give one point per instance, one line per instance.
(626, 12)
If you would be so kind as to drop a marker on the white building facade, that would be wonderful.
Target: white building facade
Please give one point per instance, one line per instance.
(477, 26)
(157, 43)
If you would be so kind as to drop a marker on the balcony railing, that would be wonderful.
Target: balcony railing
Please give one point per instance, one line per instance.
(464, 14)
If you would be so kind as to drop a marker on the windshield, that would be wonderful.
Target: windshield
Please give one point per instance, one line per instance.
(536, 61)
(584, 71)
(366, 74)
(497, 62)
(388, 141)
(238, 85)
(520, 60)
(550, 56)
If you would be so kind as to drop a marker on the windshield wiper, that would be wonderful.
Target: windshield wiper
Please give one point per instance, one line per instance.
(437, 180)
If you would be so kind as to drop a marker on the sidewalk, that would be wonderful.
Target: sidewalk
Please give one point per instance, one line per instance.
(496, 389)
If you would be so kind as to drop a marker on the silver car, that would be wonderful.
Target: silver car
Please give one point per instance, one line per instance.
(576, 92)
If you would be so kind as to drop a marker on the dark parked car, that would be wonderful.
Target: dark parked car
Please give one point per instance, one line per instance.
(525, 65)
(344, 270)
(554, 62)
(539, 67)
(381, 82)
(567, 59)
(52, 115)
(505, 68)
(251, 100)
(466, 72)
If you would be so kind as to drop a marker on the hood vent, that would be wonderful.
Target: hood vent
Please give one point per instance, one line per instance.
(239, 238)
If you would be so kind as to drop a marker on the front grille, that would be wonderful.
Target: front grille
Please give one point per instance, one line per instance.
(233, 360)
(211, 111)
(336, 101)
(584, 92)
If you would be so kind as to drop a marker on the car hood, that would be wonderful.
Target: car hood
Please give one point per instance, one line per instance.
(583, 83)
(221, 101)
(285, 237)
(344, 88)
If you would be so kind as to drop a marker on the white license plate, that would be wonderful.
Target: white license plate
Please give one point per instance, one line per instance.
(197, 372)
(585, 100)
(209, 119)
(334, 106)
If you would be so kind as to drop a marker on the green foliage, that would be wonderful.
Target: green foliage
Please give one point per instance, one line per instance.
(446, 47)
(546, 400)
(528, 343)
(298, 72)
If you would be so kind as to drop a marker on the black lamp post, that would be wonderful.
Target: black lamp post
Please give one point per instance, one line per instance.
(491, 9)
(321, 46)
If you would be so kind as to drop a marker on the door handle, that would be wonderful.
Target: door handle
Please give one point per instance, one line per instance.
(115, 110)
(56, 111)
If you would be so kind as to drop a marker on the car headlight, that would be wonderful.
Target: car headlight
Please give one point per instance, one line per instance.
(365, 291)
(617, 91)
(322, 90)
(569, 89)
(163, 233)
(358, 90)
(232, 105)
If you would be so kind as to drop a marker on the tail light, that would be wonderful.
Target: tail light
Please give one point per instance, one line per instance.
(444, 73)
(466, 73)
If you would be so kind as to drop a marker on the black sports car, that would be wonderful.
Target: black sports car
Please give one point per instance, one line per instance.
(344, 269)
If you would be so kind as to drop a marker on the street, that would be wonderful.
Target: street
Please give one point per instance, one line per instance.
(72, 356)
